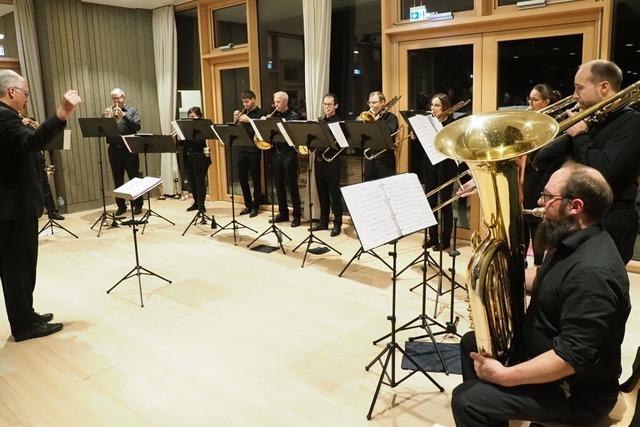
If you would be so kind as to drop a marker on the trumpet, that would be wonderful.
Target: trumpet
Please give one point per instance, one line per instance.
(29, 121)
(113, 111)
(260, 143)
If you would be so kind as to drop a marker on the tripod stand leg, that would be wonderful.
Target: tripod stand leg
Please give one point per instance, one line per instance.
(435, 383)
(382, 374)
(151, 273)
(193, 222)
(128, 275)
(356, 255)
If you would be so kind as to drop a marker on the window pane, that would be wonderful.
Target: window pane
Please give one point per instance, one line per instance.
(8, 43)
(524, 63)
(232, 83)
(439, 6)
(507, 2)
(230, 25)
(430, 72)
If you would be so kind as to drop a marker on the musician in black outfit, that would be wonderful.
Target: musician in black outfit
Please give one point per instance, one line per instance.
(437, 175)
(249, 157)
(120, 159)
(285, 165)
(197, 164)
(610, 146)
(328, 175)
(22, 203)
(385, 164)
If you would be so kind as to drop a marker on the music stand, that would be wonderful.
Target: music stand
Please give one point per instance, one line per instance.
(384, 211)
(57, 143)
(150, 144)
(313, 136)
(192, 128)
(132, 190)
(230, 134)
(366, 135)
(100, 127)
(268, 129)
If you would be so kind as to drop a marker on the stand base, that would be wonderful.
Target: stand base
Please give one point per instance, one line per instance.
(273, 228)
(103, 218)
(235, 225)
(357, 255)
(147, 216)
(200, 218)
(52, 223)
(311, 238)
(138, 271)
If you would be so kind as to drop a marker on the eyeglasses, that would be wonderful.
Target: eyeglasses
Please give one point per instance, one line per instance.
(26, 92)
(373, 102)
(326, 104)
(545, 197)
(532, 100)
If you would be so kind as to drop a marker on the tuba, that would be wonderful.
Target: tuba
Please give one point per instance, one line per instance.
(490, 143)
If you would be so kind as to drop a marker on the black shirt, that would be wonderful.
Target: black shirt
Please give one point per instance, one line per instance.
(331, 151)
(392, 122)
(579, 307)
(256, 113)
(278, 141)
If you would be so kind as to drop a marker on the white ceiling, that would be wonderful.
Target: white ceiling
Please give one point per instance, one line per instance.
(137, 4)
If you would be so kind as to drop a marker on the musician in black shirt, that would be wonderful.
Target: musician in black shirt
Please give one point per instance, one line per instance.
(249, 157)
(385, 164)
(197, 165)
(328, 175)
(285, 165)
(574, 325)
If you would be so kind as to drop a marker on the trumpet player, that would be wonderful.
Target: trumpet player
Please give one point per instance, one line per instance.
(249, 157)
(385, 164)
(610, 146)
(327, 175)
(120, 159)
(285, 164)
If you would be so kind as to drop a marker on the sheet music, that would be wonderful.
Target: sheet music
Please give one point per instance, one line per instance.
(387, 209)
(217, 135)
(137, 187)
(426, 128)
(285, 134)
(66, 139)
(177, 130)
(338, 134)
(255, 129)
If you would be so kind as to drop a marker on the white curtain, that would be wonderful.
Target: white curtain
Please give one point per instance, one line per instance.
(28, 53)
(165, 55)
(317, 48)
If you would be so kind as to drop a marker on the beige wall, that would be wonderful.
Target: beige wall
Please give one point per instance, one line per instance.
(94, 48)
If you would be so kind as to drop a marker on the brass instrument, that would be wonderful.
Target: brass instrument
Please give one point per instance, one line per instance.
(369, 117)
(446, 112)
(537, 212)
(558, 107)
(29, 121)
(237, 119)
(262, 144)
(113, 111)
(490, 143)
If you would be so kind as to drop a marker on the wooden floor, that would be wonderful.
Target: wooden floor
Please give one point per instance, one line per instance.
(239, 338)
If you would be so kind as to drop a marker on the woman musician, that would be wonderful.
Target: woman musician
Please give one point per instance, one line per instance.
(196, 164)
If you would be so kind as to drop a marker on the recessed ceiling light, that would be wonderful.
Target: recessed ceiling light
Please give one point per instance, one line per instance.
(516, 57)
(629, 45)
(572, 53)
(556, 48)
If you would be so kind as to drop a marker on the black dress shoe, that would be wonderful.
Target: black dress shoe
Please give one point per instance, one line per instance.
(440, 247)
(253, 213)
(430, 243)
(279, 218)
(295, 222)
(245, 211)
(193, 207)
(56, 215)
(137, 210)
(38, 329)
(44, 318)
(320, 226)
(121, 211)
(336, 230)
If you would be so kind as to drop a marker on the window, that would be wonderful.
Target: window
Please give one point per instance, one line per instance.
(626, 44)
(439, 6)
(230, 25)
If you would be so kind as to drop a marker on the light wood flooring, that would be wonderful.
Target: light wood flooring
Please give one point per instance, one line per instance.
(240, 338)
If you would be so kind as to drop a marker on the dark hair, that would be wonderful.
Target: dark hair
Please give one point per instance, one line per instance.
(196, 110)
(332, 95)
(444, 99)
(247, 94)
(548, 93)
(603, 70)
(589, 185)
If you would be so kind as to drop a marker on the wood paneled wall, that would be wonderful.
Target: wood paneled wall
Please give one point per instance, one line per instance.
(94, 48)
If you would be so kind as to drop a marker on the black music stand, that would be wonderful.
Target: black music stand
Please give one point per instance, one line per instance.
(268, 129)
(99, 127)
(143, 144)
(190, 129)
(366, 135)
(132, 190)
(230, 134)
(57, 143)
(401, 214)
(312, 135)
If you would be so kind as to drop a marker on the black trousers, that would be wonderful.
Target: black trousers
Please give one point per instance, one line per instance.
(328, 185)
(249, 164)
(479, 403)
(18, 263)
(380, 167)
(122, 160)
(622, 225)
(435, 176)
(197, 166)
(48, 197)
(285, 174)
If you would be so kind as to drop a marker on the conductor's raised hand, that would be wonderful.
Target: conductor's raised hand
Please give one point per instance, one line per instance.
(70, 101)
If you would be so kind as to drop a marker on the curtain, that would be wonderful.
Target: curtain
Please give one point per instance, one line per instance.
(165, 55)
(27, 40)
(317, 48)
